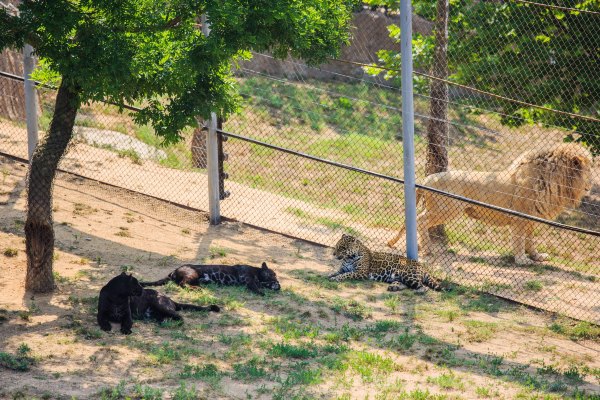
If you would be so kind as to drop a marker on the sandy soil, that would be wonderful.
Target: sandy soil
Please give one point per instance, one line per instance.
(556, 286)
(101, 231)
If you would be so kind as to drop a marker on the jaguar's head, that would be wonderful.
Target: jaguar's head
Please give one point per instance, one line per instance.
(345, 246)
(268, 278)
(126, 285)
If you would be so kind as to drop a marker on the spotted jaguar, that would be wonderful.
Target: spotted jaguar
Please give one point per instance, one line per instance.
(358, 262)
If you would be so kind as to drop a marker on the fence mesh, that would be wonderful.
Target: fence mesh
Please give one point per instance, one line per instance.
(516, 64)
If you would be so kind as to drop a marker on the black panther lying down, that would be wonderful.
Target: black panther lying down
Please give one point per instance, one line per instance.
(254, 278)
(123, 298)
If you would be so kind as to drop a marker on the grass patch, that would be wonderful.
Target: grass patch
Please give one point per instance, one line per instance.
(185, 393)
(82, 209)
(469, 299)
(216, 251)
(351, 309)
(250, 370)
(480, 331)
(447, 381)
(59, 278)
(80, 329)
(287, 350)
(534, 286)
(370, 366)
(449, 315)
(208, 372)
(10, 252)
(384, 326)
(143, 392)
(404, 341)
(20, 361)
(576, 330)
(178, 155)
(293, 329)
(333, 224)
(123, 232)
(393, 302)
(131, 154)
(315, 279)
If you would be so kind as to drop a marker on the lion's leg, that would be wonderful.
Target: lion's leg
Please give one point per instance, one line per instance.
(530, 246)
(421, 218)
(425, 221)
(393, 241)
(519, 234)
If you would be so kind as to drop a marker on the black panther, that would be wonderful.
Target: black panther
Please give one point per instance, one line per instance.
(254, 278)
(123, 298)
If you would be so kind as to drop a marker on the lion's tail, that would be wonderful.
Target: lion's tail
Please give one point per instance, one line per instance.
(192, 307)
(420, 194)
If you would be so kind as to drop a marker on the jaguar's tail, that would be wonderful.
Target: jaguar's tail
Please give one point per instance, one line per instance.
(159, 282)
(191, 307)
(432, 283)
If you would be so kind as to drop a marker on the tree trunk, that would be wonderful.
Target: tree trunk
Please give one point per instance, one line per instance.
(199, 152)
(437, 127)
(39, 230)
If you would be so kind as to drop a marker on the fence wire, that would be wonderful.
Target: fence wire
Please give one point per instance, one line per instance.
(497, 108)
(511, 66)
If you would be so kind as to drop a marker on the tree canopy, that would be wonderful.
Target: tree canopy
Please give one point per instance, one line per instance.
(541, 55)
(152, 51)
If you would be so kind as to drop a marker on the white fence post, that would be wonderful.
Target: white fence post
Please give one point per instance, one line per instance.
(30, 100)
(408, 130)
(212, 156)
(213, 172)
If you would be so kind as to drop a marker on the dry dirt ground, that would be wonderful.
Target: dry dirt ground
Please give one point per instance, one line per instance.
(314, 339)
(567, 284)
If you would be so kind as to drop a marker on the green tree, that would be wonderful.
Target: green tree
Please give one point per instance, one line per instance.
(151, 52)
(540, 55)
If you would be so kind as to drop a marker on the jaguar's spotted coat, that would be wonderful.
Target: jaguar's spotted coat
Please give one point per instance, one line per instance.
(358, 262)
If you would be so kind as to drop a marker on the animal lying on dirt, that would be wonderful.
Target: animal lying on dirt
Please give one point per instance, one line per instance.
(254, 278)
(541, 183)
(123, 298)
(358, 262)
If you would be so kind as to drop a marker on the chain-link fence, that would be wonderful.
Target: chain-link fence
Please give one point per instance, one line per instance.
(107, 146)
(500, 99)
(316, 151)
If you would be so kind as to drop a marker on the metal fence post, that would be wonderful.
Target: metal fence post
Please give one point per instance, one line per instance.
(213, 172)
(212, 156)
(30, 100)
(408, 130)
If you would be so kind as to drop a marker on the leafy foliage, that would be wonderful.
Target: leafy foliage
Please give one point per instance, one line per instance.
(153, 52)
(544, 56)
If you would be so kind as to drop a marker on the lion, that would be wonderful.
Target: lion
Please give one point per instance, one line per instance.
(540, 183)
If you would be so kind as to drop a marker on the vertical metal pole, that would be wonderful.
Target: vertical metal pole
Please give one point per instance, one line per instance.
(212, 156)
(30, 100)
(213, 172)
(408, 130)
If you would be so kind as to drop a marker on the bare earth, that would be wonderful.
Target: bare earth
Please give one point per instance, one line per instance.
(314, 339)
(561, 289)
